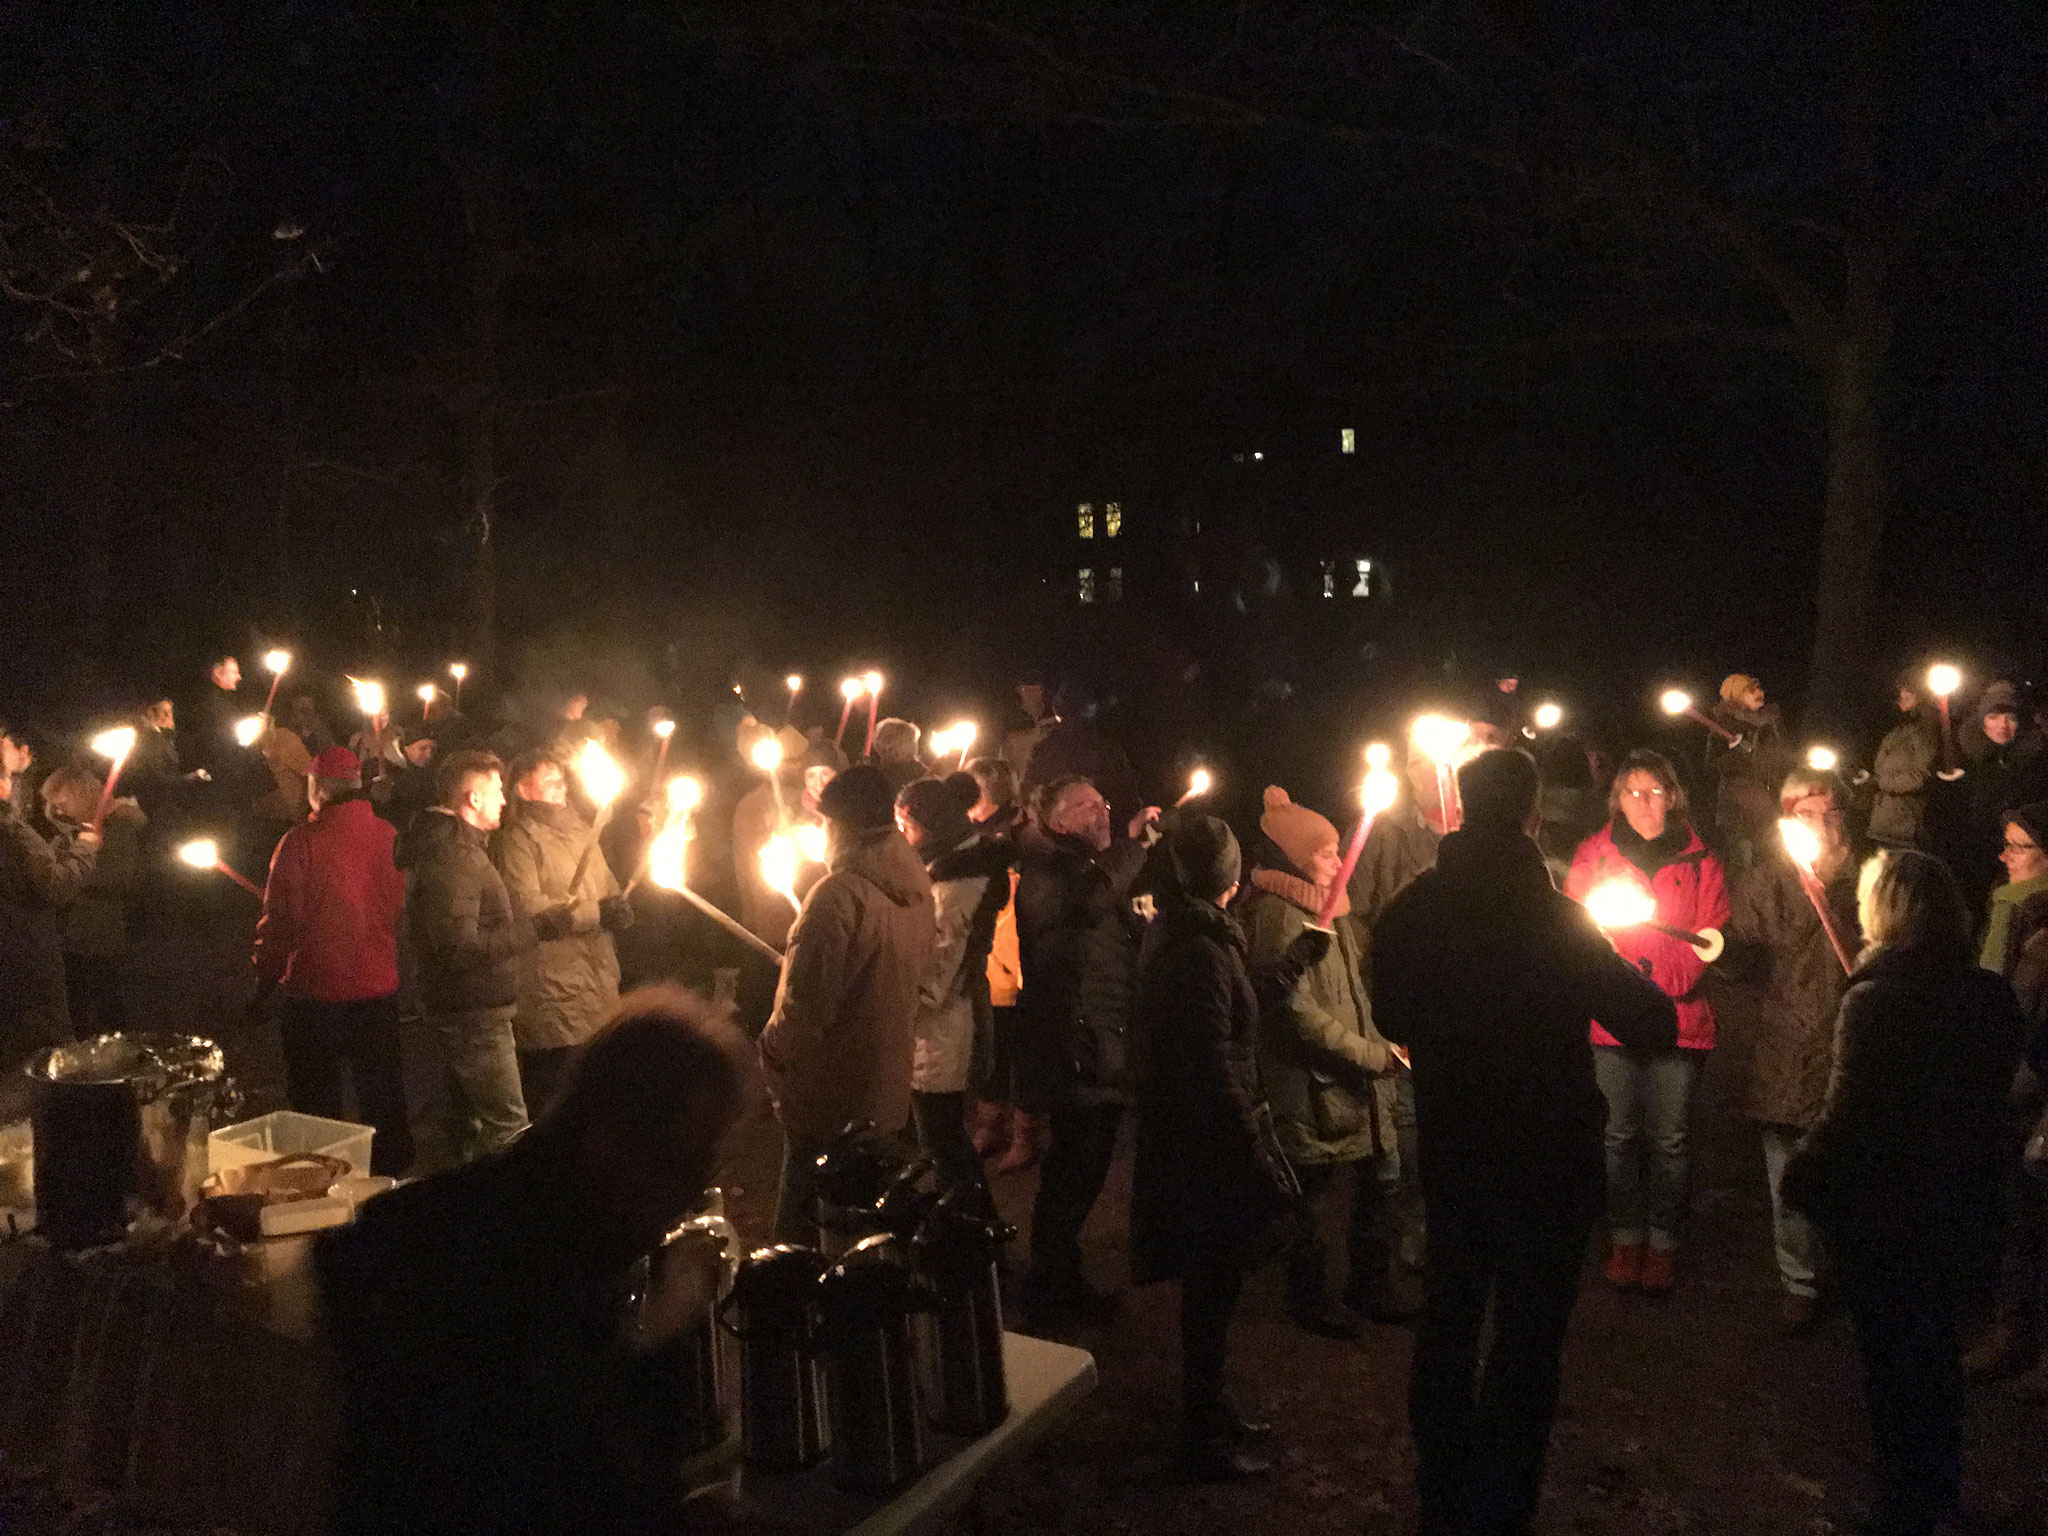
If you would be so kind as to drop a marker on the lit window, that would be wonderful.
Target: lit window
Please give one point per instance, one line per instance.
(1363, 586)
(1329, 578)
(1198, 586)
(1113, 589)
(1258, 458)
(1112, 519)
(1086, 519)
(1087, 584)
(1347, 440)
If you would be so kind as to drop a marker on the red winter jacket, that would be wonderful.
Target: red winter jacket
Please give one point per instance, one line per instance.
(329, 930)
(1691, 893)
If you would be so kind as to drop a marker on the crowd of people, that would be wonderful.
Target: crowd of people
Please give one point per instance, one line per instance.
(1007, 962)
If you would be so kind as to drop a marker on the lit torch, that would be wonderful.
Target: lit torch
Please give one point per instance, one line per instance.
(426, 691)
(766, 755)
(1622, 903)
(1378, 792)
(249, 730)
(663, 729)
(458, 670)
(796, 685)
(778, 868)
(811, 841)
(849, 690)
(1549, 716)
(204, 853)
(959, 739)
(1199, 783)
(277, 662)
(1822, 759)
(1943, 680)
(369, 696)
(1802, 846)
(1676, 701)
(114, 745)
(602, 778)
(667, 861)
(873, 683)
(1443, 742)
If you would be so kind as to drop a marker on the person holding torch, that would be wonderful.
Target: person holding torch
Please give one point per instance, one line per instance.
(1649, 847)
(1777, 937)
(1328, 1074)
(37, 882)
(1907, 761)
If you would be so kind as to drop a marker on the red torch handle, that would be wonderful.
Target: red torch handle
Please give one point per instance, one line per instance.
(1816, 894)
(240, 879)
(1328, 910)
(1692, 713)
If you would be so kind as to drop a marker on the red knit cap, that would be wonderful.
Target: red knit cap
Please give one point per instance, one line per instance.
(335, 763)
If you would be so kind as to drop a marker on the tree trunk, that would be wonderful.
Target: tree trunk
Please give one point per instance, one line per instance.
(1853, 513)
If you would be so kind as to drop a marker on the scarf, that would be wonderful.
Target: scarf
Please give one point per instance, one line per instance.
(1653, 853)
(1292, 888)
(2006, 901)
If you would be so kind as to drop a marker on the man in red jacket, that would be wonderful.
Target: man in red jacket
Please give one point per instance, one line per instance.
(328, 938)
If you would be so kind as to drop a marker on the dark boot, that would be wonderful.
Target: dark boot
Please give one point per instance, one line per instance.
(1380, 1288)
(1213, 1451)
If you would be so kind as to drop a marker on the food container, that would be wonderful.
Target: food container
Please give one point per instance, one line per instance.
(287, 1133)
(277, 1197)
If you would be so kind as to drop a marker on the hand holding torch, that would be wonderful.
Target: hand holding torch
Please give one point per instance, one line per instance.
(1676, 701)
(1622, 903)
(115, 745)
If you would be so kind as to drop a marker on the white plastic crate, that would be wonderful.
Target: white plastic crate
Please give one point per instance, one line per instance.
(284, 1133)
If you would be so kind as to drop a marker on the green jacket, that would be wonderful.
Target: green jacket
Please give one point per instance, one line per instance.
(2005, 901)
(1327, 1071)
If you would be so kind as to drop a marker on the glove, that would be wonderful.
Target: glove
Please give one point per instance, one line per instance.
(1309, 948)
(615, 914)
(555, 922)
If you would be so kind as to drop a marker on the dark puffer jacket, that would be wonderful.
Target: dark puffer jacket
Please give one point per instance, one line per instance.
(1789, 952)
(1905, 1162)
(37, 881)
(466, 932)
(1077, 939)
(1209, 1172)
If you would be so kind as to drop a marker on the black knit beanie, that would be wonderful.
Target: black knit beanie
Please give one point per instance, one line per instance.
(937, 806)
(859, 799)
(1205, 856)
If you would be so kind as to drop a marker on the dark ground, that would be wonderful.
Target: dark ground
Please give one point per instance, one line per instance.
(1690, 1415)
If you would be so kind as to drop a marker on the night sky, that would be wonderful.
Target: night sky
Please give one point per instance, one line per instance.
(810, 333)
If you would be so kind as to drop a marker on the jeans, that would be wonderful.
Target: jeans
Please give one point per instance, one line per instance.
(1369, 1229)
(1907, 1332)
(330, 1048)
(942, 1136)
(1798, 1240)
(1649, 1103)
(796, 1197)
(1481, 1433)
(487, 1107)
(1069, 1180)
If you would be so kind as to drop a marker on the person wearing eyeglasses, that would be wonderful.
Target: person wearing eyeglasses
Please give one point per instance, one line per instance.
(2016, 947)
(1650, 843)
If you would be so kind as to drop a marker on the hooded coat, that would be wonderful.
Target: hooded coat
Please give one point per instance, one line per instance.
(329, 929)
(1794, 1049)
(567, 986)
(840, 1043)
(1077, 939)
(1691, 893)
(970, 886)
(1906, 1158)
(1327, 1071)
(1904, 770)
(1208, 1174)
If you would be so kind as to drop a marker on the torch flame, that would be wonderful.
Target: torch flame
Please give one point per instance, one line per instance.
(369, 696)
(248, 731)
(277, 661)
(766, 754)
(795, 682)
(117, 743)
(1440, 739)
(685, 794)
(426, 693)
(1620, 904)
(1379, 791)
(1802, 844)
(961, 736)
(778, 865)
(1676, 701)
(1377, 755)
(600, 772)
(1548, 716)
(1822, 759)
(668, 855)
(1199, 782)
(852, 689)
(1943, 680)
(873, 683)
(458, 670)
(201, 853)
(810, 841)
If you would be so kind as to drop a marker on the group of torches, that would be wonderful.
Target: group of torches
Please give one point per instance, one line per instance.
(1616, 904)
